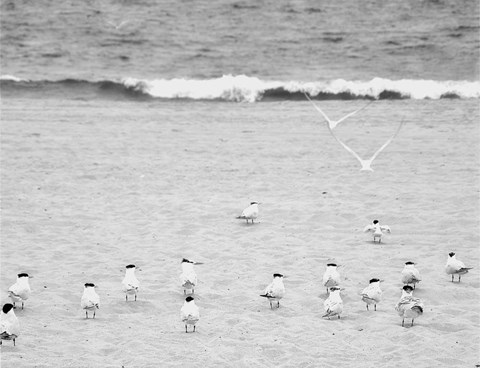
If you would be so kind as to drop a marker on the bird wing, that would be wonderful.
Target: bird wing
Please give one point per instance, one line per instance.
(368, 228)
(387, 142)
(385, 228)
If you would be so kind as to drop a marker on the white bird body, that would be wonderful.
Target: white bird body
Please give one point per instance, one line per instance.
(410, 275)
(90, 299)
(331, 277)
(130, 282)
(408, 306)
(372, 294)
(9, 325)
(250, 213)
(20, 291)
(188, 276)
(275, 291)
(455, 266)
(189, 313)
(377, 230)
(333, 305)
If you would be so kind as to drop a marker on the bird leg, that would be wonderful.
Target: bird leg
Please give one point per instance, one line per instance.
(186, 328)
(126, 297)
(459, 276)
(22, 301)
(278, 304)
(403, 320)
(193, 328)
(13, 342)
(375, 306)
(411, 323)
(452, 278)
(94, 313)
(339, 316)
(135, 297)
(367, 306)
(86, 314)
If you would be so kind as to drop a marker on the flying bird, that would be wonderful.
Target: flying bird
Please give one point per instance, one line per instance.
(372, 294)
(408, 306)
(377, 230)
(188, 276)
(250, 213)
(130, 282)
(9, 325)
(455, 266)
(20, 291)
(410, 275)
(275, 291)
(331, 277)
(90, 299)
(333, 305)
(118, 25)
(189, 313)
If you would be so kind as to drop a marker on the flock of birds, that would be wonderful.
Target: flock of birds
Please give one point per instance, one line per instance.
(408, 307)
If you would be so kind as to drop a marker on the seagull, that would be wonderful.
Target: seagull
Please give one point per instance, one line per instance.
(332, 124)
(333, 305)
(372, 294)
(20, 291)
(119, 25)
(331, 277)
(410, 274)
(275, 291)
(366, 164)
(90, 299)
(188, 276)
(455, 267)
(189, 313)
(408, 306)
(377, 230)
(10, 327)
(130, 282)
(250, 213)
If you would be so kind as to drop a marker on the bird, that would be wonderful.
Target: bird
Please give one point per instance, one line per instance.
(455, 266)
(90, 299)
(188, 276)
(372, 294)
(331, 277)
(331, 123)
(189, 313)
(20, 291)
(130, 282)
(333, 305)
(377, 230)
(408, 306)
(410, 275)
(250, 213)
(9, 325)
(276, 290)
(118, 25)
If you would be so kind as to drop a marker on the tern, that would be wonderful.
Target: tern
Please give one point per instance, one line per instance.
(410, 275)
(250, 213)
(333, 304)
(377, 230)
(90, 299)
(275, 291)
(372, 294)
(118, 25)
(130, 282)
(20, 291)
(408, 306)
(9, 325)
(188, 276)
(331, 277)
(455, 267)
(189, 313)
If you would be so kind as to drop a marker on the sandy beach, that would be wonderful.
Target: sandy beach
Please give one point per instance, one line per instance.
(89, 187)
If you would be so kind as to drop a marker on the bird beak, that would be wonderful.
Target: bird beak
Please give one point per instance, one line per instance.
(342, 289)
(197, 263)
(285, 277)
(382, 280)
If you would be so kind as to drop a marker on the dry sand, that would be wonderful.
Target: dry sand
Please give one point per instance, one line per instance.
(87, 189)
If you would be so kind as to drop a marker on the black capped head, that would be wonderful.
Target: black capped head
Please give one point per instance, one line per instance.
(451, 254)
(189, 299)
(408, 288)
(375, 222)
(374, 280)
(89, 284)
(130, 266)
(7, 307)
(332, 264)
(409, 263)
(277, 275)
(22, 275)
(253, 203)
(334, 288)
(186, 260)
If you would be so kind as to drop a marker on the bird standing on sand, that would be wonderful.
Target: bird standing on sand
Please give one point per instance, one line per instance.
(9, 325)
(130, 282)
(188, 276)
(408, 306)
(377, 230)
(250, 213)
(275, 291)
(90, 299)
(410, 275)
(455, 267)
(331, 277)
(333, 305)
(189, 313)
(20, 291)
(372, 294)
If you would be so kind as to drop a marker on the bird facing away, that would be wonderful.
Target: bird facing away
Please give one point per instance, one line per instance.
(275, 291)
(20, 291)
(130, 283)
(333, 305)
(90, 299)
(188, 276)
(408, 306)
(331, 277)
(410, 274)
(377, 230)
(250, 213)
(9, 325)
(372, 294)
(455, 267)
(189, 313)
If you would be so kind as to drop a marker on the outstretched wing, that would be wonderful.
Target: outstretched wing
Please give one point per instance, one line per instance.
(388, 141)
